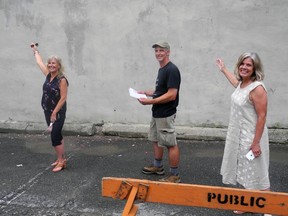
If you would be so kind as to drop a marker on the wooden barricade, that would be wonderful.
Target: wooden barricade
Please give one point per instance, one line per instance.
(193, 195)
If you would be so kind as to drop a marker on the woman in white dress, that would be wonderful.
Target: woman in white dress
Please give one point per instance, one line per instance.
(247, 128)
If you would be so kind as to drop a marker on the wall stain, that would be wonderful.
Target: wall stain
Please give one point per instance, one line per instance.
(23, 14)
(75, 25)
(144, 14)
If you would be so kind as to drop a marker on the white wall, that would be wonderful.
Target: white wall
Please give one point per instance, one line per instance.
(105, 46)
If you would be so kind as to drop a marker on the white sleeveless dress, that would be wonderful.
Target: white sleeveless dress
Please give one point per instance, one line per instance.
(235, 166)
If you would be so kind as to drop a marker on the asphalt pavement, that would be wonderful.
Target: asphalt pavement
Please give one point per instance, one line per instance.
(29, 187)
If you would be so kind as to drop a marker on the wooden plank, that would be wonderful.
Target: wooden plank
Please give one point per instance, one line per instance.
(133, 211)
(205, 196)
(130, 202)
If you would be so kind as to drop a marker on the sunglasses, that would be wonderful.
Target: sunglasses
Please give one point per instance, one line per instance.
(32, 45)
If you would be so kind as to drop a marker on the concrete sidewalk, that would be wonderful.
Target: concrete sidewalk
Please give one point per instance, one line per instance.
(28, 187)
(132, 130)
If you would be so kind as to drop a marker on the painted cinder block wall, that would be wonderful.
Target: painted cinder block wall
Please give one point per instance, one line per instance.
(106, 48)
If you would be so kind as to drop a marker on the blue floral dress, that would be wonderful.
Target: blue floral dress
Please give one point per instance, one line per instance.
(51, 94)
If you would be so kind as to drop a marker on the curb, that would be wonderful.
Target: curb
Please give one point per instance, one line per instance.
(132, 130)
(84, 129)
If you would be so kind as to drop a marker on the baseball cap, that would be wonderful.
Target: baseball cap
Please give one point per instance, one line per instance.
(162, 44)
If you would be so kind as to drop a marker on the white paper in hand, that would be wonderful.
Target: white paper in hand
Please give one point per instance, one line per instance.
(250, 156)
(49, 129)
(135, 94)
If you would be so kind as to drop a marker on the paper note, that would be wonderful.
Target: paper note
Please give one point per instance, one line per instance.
(135, 94)
(250, 156)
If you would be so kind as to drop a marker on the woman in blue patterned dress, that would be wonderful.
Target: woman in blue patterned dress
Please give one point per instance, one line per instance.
(53, 102)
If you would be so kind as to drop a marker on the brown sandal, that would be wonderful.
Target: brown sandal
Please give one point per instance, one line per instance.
(60, 166)
(55, 163)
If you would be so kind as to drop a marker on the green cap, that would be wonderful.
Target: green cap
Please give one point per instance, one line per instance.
(162, 44)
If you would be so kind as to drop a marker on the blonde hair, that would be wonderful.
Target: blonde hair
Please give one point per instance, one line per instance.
(258, 73)
(61, 67)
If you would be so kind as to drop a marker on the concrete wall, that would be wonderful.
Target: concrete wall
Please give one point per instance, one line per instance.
(106, 48)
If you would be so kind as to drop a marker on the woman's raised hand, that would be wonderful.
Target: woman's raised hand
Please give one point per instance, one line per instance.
(220, 64)
(34, 47)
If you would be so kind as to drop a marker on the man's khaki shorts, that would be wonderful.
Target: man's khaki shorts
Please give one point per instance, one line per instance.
(162, 131)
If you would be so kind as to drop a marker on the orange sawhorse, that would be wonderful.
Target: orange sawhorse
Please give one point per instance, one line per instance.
(193, 195)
